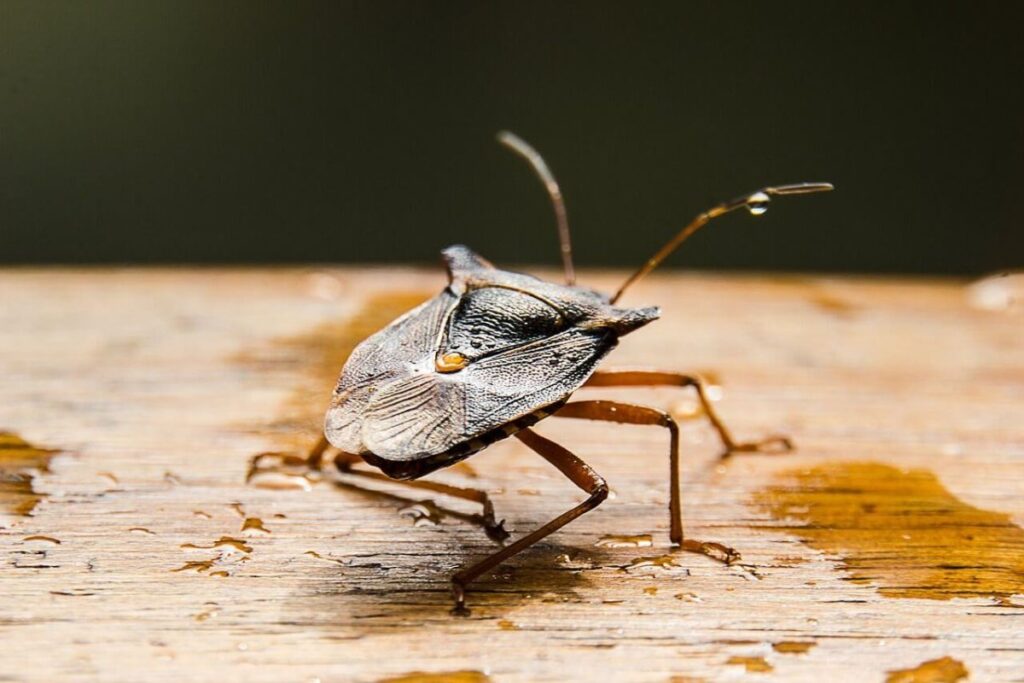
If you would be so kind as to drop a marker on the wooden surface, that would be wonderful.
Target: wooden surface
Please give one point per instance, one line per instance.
(888, 547)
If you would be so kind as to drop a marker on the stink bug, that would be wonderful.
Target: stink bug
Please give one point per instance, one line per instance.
(494, 353)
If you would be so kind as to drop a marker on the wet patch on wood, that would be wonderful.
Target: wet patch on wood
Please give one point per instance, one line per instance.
(944, 670)
(20, 463)
(900, 530)
(316, 358)
(793, 647)
(752, 664)
(444, 677)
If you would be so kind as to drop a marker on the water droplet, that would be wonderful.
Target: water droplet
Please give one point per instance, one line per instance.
(280, 471)
(254, 523)
(223, 541)
(574, 561)
(313, 553)
(324, 286)
(440, 677)
(20, 464)
(278, 481)
(687, 409)
(638, 541)
(665, 562)
(757, 203)
(1000, 292)
(793, 647)
(207, 614)
(423, 513)
(752, 664)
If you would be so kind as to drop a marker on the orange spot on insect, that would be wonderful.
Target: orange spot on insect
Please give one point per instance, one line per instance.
(451, 362)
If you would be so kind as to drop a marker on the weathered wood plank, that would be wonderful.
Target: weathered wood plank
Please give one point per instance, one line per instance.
(890, 539)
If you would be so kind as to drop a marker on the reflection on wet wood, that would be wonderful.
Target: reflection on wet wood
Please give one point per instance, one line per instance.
(148, 551)
(901, 530)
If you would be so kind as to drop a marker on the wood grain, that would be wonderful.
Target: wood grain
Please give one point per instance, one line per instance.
(142, 395)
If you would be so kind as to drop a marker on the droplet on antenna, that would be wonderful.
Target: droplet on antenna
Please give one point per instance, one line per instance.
(757, 203)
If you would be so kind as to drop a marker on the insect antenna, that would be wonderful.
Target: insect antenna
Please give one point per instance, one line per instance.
(755, 202)
(523, 149)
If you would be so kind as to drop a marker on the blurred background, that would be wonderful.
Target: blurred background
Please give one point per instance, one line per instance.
(243, 132)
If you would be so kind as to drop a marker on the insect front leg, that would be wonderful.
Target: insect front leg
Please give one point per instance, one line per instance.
(627, 413)
(579, 472)
(647, 378)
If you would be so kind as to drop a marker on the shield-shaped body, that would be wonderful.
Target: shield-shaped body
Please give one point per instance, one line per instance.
(491, 354)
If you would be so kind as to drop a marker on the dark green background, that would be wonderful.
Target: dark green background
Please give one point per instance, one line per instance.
(348, 132)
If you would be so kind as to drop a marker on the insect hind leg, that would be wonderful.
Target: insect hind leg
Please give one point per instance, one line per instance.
(628, 413)
(775, 444)
(577, 471)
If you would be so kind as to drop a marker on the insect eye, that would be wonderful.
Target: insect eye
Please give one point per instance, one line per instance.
(491, 319)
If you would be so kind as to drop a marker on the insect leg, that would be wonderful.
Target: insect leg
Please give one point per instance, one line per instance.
(313, 462)
(628, 413)
(647, 378)
(277, 461)
(577, 471)
(494, 530)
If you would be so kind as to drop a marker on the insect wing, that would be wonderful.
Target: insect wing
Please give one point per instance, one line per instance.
(516, 382)
(427, 413)
(383, 357)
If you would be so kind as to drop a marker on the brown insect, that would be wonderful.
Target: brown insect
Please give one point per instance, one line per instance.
(494, 353)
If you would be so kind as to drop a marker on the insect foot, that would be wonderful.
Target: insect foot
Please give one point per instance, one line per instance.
(459, 595)
(495, 530)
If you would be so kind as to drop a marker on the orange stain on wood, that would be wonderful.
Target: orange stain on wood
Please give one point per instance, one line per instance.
(793, 647)
(254, 524)
(756, 665)
(20, 463)
(900, 530)
(443, 677)
(944, 670)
